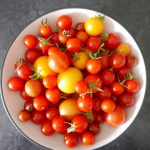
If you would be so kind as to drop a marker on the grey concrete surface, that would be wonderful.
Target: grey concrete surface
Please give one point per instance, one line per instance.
(134, 15)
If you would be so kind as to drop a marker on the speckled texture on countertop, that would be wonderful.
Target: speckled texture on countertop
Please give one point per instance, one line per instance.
(134, 15)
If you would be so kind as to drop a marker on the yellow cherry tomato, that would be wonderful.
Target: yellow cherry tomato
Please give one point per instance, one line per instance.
(94, 26)
(66, 80)
(68, 108)
(80, 60)
(124, 49)
(41, 66)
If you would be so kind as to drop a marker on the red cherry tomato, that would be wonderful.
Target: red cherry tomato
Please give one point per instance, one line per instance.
(105, 93)
(112, 41)
(108, 105)
(108, 77)
(54, 37)
(71, 139)
(94, 127)
(88, 138)
(93, 43)
(53, 95)
(40, 103)
(38, 117)
(24, 71)
(24, 115)
(117, 117)
(117, 88)
(33, 88)
(46, 128)
(85, 103)
(132, 85)
(131, 61)
(126, 100)
(50, 81)
(94, 66)
(30, 41)
(81, 87)
(59, 124)
(31, 55)
(73, 45)
(82, 36)
(79, 124)
(117, 60)
(51, 113)
(63, 37)
(16, 83)
(123, 72)
(45, 29)
(64, 22)
(58, 61)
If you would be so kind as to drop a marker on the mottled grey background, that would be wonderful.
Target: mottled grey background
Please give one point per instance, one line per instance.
(134, 15)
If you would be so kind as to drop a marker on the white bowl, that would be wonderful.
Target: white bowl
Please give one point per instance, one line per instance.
(12, 100)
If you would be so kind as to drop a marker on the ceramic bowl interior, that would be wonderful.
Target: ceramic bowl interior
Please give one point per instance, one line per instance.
(13, 103)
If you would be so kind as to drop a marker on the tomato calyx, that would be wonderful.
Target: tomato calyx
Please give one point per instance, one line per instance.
(72, 127)
(36, 75)
(129, 76)
(100, 17)
(66, 33)
(19, 63)
(104, 37)
(44, 21)
(96, 55)
(88, 115)
(46, 41)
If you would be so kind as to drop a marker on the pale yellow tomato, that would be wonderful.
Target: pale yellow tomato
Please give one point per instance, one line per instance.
(41, 66)
(80, 60)
(94, 26)
(124, 49)
(68, 108)
(66, 80)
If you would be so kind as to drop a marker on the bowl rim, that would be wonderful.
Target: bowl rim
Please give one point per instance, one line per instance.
(23, 28)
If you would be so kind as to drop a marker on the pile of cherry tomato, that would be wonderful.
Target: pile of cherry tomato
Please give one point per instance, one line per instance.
(74, 79)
